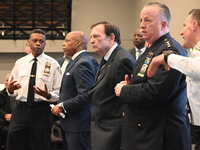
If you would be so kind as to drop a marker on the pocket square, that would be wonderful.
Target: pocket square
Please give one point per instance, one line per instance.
(67, 73)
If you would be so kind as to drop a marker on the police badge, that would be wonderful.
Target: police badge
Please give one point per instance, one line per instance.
(47, 69)
(145, 65)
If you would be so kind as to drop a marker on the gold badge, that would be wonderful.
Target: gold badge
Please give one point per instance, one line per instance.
(197, 47)
(47, 69)
(145, 65)
(167, 43)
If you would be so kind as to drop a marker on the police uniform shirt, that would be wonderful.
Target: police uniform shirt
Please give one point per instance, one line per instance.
(48, 71)
(190, 67)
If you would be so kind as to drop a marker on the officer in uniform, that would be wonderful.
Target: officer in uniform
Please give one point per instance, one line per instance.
(31, 121)
(155, 112)
(188, 66)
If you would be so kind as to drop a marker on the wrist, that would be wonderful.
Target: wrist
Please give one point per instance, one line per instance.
(10, 91)
(49, 96)
(60, 105)
(166, 54)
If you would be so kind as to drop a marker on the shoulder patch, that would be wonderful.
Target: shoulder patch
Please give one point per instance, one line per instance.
(169, 51)
(197, 47)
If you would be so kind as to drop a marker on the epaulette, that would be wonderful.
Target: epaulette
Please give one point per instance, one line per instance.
(197, 47)
(168, 42)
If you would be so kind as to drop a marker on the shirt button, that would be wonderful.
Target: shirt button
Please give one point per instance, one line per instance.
(139, 125)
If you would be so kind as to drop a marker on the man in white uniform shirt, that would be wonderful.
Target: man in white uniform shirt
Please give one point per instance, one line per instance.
(187, 65)
(31, 121)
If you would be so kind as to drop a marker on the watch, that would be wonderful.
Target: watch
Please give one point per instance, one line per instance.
(49, 96)
(166, 54)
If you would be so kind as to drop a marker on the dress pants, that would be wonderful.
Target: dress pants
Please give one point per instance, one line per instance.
(195, 134)
(78, 140)
(30, 128)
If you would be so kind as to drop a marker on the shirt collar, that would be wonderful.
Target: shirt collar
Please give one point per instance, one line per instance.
(142, 49)
(39, 58)
(107, 56)
(78, 53)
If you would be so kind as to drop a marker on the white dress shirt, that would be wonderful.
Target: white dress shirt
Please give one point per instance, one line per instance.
(106, 57)
(139, 52)
(64, 65)
(21, 74)
(190, 67)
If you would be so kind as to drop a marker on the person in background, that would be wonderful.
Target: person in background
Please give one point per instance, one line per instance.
(31, 122)
(63, 61)
(74, 102)
(107, 112)
(28, 49)
(139, 44)
(7, 105)
(155, 108)
(188, 66)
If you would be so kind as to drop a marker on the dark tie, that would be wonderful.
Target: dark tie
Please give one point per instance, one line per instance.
(70, 61)
(139, 53)
(103, 62)
(31, 93)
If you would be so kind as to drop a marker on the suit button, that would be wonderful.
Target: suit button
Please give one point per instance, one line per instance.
(139, 125)
(123, 114)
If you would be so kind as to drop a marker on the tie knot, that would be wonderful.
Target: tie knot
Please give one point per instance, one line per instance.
(70, 61)
(35, 59)
(103, 61)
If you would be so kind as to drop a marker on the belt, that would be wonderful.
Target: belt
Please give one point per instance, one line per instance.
(35, 104)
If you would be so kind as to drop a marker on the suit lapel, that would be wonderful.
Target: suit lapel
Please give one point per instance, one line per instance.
(68, 68)
(107, 66)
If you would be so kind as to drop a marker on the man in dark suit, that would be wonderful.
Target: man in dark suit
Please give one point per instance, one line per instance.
(63, 62)
(139, 44)
(74, 102)
(107, 112)
(155, 108)
(7, 104)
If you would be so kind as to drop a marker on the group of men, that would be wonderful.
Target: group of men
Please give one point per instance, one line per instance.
(115, 105)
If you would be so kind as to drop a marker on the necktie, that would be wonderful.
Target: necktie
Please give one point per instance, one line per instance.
(31, 93)
(103, 62)
(139, 52)
(69, 62)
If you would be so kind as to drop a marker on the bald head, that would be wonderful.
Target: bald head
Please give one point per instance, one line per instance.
(80, 37)
(75, 41)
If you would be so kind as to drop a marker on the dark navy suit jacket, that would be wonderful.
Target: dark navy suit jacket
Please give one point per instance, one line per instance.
(77, 80)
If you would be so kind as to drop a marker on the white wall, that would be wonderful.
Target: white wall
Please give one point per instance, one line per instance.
(124, 13)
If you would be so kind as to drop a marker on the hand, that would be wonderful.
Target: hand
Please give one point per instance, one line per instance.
(41, 92)
(155, 63)
(56, 110)
(13, 85)
(8, 117)
(119, 86)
